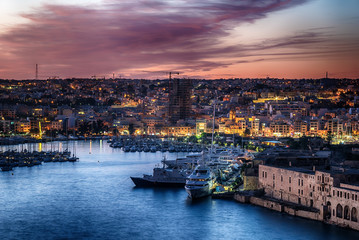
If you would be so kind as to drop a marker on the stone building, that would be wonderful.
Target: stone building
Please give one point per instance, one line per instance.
(333, 193)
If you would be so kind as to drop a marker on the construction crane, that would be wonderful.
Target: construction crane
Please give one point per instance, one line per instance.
(169, 73)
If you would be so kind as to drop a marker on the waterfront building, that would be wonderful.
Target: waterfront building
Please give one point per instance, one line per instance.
(201, 126)
(57, 125)
(178, 131)
(333, 195)
(22, 126)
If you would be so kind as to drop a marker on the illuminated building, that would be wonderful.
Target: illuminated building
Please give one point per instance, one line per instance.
(201, 127)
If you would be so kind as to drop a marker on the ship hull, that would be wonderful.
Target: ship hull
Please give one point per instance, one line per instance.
(141, 182)
(195, 193)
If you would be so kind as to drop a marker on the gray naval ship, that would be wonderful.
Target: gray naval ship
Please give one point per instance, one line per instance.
(174, 176)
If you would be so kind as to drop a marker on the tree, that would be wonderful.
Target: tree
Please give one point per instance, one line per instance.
(84, 128)
(329, 137)
(98, 126)
(131, 129)
(34, 130)
(115, 132)
(247, 132)
(192, 139)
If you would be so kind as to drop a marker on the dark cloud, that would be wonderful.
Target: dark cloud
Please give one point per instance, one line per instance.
(81, 41)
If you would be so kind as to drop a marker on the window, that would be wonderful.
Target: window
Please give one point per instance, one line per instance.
(262, 174)
(333, 192)
(290, 180)
(302, 192)
(302, 182)
(265, 174)
(298, 182)
(281, 178)
(298, 191)
(341, 194)
(273, 177)
(290, 189)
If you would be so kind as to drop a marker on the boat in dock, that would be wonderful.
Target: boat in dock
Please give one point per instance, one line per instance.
(6, 168)
(163, 177)
(201, 182)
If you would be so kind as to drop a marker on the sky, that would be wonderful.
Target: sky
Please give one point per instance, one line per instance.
(199, 39)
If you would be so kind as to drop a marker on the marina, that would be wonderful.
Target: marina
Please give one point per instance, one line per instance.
(12, 158)
(139, 144)
(95, 198)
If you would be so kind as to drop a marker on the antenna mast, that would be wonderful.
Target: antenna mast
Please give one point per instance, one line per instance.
(37, 71)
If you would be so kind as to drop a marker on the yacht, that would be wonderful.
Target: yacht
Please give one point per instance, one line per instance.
(163, 177)
(201, 182)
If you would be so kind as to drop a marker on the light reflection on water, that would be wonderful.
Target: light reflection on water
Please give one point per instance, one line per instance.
(95, 198)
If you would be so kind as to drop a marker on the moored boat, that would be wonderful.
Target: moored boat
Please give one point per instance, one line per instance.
(201, 182)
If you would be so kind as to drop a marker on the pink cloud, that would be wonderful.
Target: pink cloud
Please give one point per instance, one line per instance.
(79, 41)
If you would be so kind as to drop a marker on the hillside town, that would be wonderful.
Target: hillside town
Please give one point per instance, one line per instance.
(254, 108)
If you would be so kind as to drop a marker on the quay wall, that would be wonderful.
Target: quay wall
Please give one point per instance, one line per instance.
(277, 206)
(266, 203)
(250, 182)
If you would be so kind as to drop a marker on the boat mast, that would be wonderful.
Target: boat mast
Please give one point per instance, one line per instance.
(213, 121)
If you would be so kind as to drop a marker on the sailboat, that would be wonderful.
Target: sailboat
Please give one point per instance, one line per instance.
(73, 158)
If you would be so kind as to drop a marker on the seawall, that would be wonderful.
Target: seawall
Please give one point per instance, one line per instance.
(291, 209)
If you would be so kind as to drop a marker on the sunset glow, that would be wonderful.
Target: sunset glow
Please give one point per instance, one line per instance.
(200, 39)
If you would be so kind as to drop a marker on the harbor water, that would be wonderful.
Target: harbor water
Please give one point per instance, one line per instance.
(96, 199)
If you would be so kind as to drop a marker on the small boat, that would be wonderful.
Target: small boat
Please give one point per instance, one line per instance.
(153, 149)
(72, 159)
(127, 149)
(6, 168)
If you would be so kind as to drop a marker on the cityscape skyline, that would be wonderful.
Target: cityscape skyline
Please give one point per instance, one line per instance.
(202, 39)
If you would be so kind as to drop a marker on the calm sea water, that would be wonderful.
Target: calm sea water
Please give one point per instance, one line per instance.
(96, 199)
